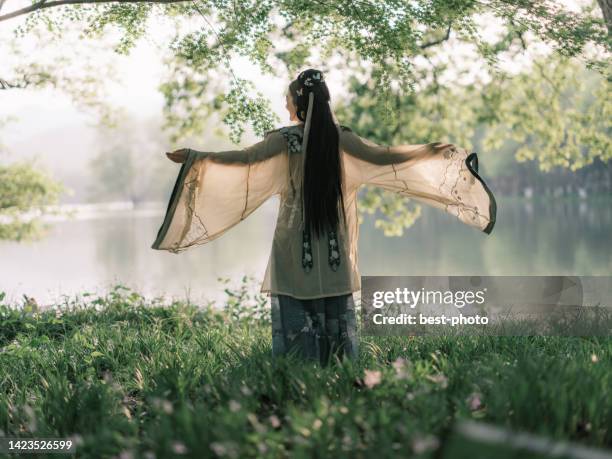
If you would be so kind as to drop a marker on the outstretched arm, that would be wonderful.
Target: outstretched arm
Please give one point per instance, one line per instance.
(383, 155)
(438, 174)
(272, 144)
(212, 196)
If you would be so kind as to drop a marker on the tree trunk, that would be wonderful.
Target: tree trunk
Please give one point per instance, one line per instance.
(606, 9)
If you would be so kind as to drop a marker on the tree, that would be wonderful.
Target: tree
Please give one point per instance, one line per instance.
(129, 165)
(559, 115)
(388, 35)
(395, 45)
(23, 188)
(554, 115)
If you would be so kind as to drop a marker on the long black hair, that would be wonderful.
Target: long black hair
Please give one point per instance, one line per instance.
(322, 185)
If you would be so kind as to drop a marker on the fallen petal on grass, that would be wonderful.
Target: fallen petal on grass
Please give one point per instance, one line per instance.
(372, 378)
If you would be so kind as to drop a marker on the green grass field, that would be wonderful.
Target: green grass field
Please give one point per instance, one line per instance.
(133, 378)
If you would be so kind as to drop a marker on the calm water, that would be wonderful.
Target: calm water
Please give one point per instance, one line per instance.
(530, 238)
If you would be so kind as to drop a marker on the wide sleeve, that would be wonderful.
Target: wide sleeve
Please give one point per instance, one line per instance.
(215, 191)
(444, 176)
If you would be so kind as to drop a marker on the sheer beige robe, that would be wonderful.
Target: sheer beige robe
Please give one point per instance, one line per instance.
(215, 191)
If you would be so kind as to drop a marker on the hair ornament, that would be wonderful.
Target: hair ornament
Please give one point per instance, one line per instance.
(311, 80)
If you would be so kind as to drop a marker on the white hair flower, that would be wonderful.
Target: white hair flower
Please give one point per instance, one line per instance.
(314, 78)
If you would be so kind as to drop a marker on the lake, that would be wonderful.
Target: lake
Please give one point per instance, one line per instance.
(92, 253)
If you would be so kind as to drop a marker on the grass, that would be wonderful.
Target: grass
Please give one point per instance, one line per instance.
(127, 377)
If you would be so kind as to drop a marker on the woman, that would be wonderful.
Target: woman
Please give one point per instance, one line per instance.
(316, 166)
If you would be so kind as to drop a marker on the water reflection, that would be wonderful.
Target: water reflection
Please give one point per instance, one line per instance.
(559, 237)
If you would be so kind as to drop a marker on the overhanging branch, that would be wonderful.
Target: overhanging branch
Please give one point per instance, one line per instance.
(7, 85)
(52, 4)
(28, 79)
(437, 42)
